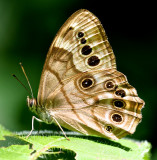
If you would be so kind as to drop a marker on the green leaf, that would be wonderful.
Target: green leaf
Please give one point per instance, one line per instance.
(48, 146)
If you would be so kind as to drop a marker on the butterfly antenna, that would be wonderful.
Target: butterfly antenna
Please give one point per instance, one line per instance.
(21, 84)
(27, 79)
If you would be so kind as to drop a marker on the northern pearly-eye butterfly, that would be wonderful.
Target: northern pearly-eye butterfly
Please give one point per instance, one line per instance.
(80, 87)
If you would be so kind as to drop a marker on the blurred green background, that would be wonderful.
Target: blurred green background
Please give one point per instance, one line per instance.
(27, 29)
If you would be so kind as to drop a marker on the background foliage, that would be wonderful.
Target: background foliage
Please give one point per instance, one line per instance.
(48, 147)
(27, 29)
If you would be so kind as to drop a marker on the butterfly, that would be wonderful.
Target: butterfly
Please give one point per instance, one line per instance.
(80, 88)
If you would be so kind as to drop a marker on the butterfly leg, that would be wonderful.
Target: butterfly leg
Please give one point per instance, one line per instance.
(61, 128)
(39, 120)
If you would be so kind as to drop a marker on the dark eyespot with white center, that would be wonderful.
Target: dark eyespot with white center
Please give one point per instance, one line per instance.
(108, 128)
(87, 82)
(117, 118)
(110, 85)
(80, 34)
(93, 61)
(86, 50)
(83, 41)
(119, 103)
(120, 93)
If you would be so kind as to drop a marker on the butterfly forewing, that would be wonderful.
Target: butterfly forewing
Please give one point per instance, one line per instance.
(67, 56)
(80, 86)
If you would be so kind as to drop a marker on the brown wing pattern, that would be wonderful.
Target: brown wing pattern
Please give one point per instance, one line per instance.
(68, 56)
(93, 109)
(80, 85)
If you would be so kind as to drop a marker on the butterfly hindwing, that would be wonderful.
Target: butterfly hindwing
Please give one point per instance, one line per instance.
(95, 108)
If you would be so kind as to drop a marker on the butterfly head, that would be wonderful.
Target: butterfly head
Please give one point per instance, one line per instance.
(32, 104)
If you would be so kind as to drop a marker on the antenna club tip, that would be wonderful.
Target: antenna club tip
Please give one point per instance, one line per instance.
(20, 63)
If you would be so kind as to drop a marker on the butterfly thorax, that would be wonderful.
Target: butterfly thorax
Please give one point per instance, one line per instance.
(43, 114)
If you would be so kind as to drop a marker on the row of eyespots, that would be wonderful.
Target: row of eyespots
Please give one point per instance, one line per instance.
(109, 85)
(80, 35)
(116, 118)
(86, 50)
(88, 82)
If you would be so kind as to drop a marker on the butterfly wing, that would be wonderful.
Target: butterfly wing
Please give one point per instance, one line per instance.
(98, 109)
(80, 45)
(80, 85)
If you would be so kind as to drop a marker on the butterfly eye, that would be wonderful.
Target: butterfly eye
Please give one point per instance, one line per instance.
(117, 118)
(88, 82)
(120, 93)
(108, 128)
(110, 85)
(80, 34)
(86, 50)
(119, 103)
(31, 102)
(93, 61)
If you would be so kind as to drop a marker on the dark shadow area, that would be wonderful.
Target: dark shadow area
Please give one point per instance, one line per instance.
(102, 141)
(91, 138)
(105, 141)
(58, 153)
(12, 140)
